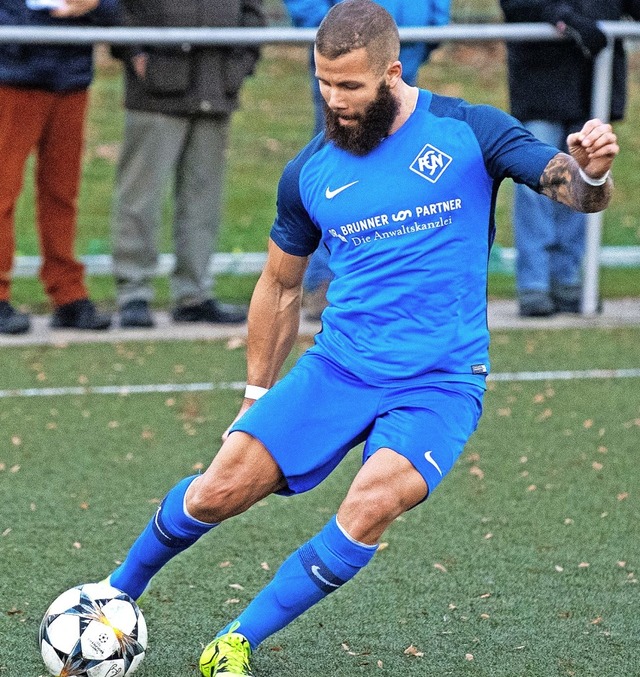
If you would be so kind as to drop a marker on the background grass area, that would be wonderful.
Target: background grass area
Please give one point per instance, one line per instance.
(275, 121)
(522, 564)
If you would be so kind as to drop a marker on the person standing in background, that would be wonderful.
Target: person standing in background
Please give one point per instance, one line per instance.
(43, 102)
(309, 14)
(550, 91)
(179, 100)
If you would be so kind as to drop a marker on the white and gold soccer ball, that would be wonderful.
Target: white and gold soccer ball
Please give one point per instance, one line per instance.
(93, 630)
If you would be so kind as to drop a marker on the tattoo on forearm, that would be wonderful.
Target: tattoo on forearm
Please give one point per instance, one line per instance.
(561, 182)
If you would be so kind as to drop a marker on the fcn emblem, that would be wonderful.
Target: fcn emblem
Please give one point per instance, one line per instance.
(430, 163)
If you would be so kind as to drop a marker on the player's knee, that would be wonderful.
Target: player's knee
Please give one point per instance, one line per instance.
(214, 501)
(367, 512)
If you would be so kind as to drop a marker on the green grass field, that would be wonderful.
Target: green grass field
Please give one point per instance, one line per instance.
(523, 563)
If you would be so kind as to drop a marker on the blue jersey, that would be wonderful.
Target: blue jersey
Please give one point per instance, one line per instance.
(408, 228)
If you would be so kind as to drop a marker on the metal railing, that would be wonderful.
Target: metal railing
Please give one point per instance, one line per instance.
(523, 32)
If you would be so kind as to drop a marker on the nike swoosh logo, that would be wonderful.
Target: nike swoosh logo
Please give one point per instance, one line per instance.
(315, 570)
(432, 460)
(330, 194)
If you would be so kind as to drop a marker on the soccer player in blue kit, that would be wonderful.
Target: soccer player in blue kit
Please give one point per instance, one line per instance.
(401, 189)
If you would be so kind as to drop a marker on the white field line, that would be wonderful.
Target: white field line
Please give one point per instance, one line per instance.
(239, 385)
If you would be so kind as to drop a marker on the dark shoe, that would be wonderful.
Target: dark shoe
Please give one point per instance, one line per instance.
(568, 299)
(536, 304)
(12, 321)
(210, 311)
(81, 314)
(136, 314)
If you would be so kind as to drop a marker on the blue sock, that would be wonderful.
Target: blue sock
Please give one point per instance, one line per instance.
(170, 531)
(317, 568)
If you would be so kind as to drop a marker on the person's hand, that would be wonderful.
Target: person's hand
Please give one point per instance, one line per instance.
(594, 148)
(246, 403)
(74, 8)
(581, 29)
(139, 63)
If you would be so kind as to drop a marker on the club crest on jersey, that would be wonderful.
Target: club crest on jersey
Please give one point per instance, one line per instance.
(430, 163)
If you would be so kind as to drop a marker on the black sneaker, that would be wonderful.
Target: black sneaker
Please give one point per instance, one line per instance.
(81, 314)
(136, 314)
(12, 321)
(536, 304)
(210, 311)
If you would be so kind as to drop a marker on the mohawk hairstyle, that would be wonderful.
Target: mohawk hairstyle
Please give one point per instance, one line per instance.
(354, 24)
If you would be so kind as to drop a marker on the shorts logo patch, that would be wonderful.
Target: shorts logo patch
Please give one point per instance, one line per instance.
(428, 456)
(430, 163)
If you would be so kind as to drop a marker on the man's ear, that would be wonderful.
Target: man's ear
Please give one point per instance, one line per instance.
(394, 74)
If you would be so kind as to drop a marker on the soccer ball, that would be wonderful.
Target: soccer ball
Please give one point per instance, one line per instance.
(93, 630)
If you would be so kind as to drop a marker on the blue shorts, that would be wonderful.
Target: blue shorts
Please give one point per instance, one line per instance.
(311, 419)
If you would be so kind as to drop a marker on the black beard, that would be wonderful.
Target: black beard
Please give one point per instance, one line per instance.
(371, 127)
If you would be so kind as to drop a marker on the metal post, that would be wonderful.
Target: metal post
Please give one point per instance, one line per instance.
(600, 108)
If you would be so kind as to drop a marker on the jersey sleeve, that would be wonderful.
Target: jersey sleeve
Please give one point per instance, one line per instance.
(509, 150)
(293, 229)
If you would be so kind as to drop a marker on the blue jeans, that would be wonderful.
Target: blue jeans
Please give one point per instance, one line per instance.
(549, 237)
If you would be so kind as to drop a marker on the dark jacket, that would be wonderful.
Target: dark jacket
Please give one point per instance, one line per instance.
(57, 68)
(553, 80)
(190, 79)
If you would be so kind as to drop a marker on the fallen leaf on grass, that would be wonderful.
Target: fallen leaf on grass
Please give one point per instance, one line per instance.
(236, 586)
(440, 567)
(16, 441)
(622, 496)
(468, 656)
(476, 472)
(583, 565)
(413, 651)
(264, 566)
(233, 600)
(597, 466)
(236, 342)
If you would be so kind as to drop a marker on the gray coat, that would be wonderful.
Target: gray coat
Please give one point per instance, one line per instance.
(189, 79)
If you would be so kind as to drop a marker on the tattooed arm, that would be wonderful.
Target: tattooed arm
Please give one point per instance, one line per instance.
(593, 150)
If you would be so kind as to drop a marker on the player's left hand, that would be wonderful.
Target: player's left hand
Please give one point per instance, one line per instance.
(594, 147)
(74, 8)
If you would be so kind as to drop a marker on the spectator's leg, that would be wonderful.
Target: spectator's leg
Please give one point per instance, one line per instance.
(198, 205)
(58, 171)
(22, 114)
(148, 158)
(568, 254)
(534, 224)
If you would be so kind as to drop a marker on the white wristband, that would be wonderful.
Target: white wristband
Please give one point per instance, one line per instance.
(254, 392)
(591, 181)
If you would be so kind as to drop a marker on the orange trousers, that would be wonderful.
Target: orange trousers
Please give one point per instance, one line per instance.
(52, 125)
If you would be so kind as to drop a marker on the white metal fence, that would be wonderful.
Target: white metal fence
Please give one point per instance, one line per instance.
(524, 32)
